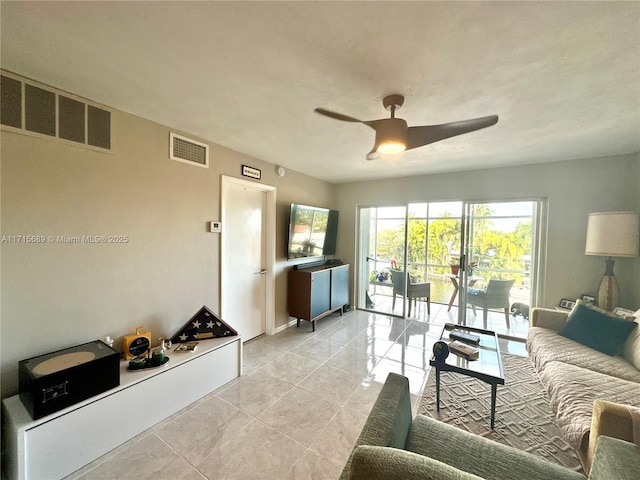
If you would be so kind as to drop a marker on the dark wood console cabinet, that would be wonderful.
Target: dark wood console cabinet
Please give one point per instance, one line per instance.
(318, 291)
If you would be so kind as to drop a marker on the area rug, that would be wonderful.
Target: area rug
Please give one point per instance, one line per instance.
(523, 417)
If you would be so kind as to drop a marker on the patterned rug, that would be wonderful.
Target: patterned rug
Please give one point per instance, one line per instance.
(523, 417)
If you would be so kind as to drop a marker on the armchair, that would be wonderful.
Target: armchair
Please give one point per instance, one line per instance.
(496, 295)
(415, 290)
(395, 445)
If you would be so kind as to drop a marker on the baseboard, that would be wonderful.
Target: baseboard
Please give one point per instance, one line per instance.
(281, 328)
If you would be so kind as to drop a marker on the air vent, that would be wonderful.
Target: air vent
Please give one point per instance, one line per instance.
(44, 111)
(187, 150)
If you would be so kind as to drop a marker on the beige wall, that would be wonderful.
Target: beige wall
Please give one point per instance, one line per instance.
(57, 295)
(573, 189)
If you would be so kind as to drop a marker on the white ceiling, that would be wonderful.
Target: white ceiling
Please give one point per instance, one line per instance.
(564, 77)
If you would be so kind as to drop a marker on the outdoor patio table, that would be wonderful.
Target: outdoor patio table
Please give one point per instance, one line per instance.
(454, 279)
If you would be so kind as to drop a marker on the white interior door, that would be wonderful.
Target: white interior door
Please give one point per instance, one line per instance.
(247, 257)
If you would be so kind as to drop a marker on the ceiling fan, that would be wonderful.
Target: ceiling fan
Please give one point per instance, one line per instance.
(394, 136)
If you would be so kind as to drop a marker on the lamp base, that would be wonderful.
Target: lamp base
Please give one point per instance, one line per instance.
(608, 291)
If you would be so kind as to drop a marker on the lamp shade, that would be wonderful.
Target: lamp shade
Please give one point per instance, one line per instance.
(613, 234)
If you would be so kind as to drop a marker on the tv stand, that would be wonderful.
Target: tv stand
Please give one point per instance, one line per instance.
(306, 265)
(318, 291)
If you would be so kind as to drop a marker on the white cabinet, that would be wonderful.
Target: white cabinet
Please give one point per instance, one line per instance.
(59, 444)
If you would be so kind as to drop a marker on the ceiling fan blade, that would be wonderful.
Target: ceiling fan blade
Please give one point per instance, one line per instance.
(337, 116)
(373, 154)
(419, 136)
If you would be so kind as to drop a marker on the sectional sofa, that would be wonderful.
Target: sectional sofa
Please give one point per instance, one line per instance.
(581, 361)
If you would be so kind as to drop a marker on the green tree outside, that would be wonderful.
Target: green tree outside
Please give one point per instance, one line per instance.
(492, 249)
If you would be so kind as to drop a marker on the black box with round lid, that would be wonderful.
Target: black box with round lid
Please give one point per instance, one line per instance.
(56, 380)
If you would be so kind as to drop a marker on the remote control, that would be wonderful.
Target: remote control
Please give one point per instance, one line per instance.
(467, 351)
(464, 337)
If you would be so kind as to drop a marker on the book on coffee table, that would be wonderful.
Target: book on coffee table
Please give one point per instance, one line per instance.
(464, 350)
(464, 337)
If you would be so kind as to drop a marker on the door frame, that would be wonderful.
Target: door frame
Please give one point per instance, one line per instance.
(268, 237)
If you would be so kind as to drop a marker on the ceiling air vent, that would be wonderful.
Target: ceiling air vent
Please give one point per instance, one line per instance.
(188, 151)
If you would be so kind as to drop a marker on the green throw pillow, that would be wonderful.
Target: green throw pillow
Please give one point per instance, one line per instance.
(597, 329)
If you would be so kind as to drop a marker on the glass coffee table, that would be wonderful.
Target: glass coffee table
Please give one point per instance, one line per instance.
(487, 367)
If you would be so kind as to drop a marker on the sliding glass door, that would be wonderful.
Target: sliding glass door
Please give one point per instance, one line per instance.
(430, 261)
(500, 242)
(382, 252)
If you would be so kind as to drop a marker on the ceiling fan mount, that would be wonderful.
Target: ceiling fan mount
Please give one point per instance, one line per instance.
(394, 136)
(393, 102)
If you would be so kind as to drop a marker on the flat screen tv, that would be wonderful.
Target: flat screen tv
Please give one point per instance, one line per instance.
(313, 231)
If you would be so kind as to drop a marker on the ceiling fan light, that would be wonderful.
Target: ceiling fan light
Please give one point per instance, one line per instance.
(391, 136)
(391, 148)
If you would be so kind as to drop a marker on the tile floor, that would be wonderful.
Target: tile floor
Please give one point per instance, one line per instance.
(518, 325)
(296, 411)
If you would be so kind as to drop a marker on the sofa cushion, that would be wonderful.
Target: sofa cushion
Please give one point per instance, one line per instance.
(546, 346)
(572, 391)
(385, 463)
(597, 328)
(478, 455)
(631, 350)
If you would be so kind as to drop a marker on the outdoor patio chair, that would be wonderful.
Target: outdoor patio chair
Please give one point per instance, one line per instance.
(415, 290)
(496, 295)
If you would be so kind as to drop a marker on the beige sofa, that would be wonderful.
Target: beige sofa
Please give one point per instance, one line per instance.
(575, 376)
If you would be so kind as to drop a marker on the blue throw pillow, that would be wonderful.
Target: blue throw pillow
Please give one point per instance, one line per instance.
(597, 329)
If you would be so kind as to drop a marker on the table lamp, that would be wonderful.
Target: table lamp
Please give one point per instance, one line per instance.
(612, 234)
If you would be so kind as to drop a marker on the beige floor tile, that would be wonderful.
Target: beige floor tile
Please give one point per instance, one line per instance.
(340, 336)
(417, 377)
(373, 346)
(317, 348)
(332, 383)
(387, 331)
(416, 357)
(353, 326)
(513, 347)
(257, 452)
(147, 458)
(116, 451)
(353, 361)
(258, 353)
(416, 332)
(301, 432)
(365, 396)
(313, 467)
(201, 430)
(337, 439)
(300, 415)
(291, 337)
(255, 392)
(193, 474)
(290, 367)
